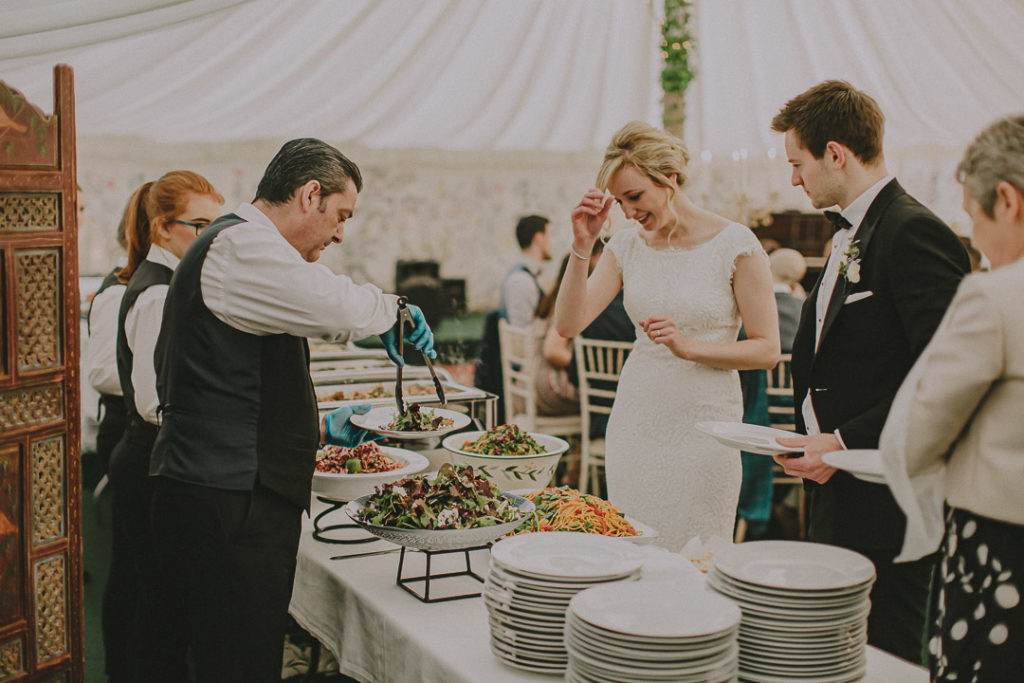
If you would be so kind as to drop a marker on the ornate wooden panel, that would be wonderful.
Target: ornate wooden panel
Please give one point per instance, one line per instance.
(22, 212)
(37, 273)
(40, 506)
(12, 659)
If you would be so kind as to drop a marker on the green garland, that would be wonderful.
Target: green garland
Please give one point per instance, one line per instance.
(676, 46)
(677, 72)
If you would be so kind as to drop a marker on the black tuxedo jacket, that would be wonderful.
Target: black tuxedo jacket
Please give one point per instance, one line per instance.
(911, 263)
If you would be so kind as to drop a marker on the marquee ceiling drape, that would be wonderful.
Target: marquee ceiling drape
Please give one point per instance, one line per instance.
(454, 74)
(550, 75)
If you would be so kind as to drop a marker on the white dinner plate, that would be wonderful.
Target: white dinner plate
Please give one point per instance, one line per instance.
(554, 588)
(787, 598)
(656, 647)
(690, 660)
(567, 555)
(795, 565)
(749, 438)
(514, 634)
(863, 463)
(653, 610)
(377, 420)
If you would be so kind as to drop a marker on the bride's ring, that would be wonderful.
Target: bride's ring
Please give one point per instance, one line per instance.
(657, 333)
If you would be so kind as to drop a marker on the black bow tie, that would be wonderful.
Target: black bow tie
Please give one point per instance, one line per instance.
(837, 220)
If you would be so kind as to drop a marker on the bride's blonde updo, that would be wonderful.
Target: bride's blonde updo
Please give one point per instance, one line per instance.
(652, 151)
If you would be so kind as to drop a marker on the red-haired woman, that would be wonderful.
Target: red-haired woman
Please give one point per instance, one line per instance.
(162, 220)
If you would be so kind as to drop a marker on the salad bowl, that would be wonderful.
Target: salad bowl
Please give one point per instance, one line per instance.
(441, 539)
(349, 486)
(508, 472)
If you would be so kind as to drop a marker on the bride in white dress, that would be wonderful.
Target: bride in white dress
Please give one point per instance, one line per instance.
(691, 278)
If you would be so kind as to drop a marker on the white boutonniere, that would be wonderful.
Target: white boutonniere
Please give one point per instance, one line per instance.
(849, 265)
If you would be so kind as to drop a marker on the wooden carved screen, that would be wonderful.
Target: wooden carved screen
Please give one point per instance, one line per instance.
(40, 529)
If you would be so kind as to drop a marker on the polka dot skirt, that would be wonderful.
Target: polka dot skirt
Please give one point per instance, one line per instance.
(978, 621)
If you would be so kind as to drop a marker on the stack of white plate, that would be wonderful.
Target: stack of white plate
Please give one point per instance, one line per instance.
(646, 631)
(531, 581)
(805, 609)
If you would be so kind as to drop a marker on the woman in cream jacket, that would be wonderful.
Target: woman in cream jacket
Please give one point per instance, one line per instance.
(953, 445)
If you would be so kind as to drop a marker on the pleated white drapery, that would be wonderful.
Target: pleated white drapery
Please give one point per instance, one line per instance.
(457, 74)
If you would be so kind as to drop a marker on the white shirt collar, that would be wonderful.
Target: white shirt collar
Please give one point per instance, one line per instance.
(251, 214)
(158, 254)
(858, 208)
(782, 288)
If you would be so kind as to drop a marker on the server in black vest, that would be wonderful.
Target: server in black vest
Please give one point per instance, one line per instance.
(163, 219)
(233, 463)
(99, 360)
(892, 271)
(100, 367)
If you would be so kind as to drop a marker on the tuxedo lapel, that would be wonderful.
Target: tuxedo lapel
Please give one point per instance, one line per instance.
(862, 239)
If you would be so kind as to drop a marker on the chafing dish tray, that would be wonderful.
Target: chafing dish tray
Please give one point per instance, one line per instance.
(376, 393)
(381, 375)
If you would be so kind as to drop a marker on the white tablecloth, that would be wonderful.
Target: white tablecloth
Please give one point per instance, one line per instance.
(379, 633)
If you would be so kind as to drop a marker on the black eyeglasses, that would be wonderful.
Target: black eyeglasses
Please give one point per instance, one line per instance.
(197, 226)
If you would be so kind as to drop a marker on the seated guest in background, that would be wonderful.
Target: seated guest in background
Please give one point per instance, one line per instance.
(233, 463)
(788, 269)
(519, 295)
(611, 324)
(955, 434)
(520, 291)
(162, 219)
(555, 394)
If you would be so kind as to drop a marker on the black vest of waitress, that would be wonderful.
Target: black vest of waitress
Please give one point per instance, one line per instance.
(237, 407)
(111, 409)
(145, 276)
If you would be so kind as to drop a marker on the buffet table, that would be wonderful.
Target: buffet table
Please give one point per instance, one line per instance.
(378, 632)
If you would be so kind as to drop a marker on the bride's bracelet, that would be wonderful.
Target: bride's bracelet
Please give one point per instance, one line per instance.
(581, 258)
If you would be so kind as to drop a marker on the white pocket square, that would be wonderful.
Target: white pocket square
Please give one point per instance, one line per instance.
(857, 297)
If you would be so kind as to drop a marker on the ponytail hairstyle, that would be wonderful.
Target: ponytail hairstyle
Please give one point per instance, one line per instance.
(651, 151)
(156, 201)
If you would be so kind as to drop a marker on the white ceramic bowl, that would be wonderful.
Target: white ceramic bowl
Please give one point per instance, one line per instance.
(346, 487)
(440, 539)
(509, 472)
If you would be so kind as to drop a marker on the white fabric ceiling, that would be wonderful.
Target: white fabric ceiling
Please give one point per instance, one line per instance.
(457, 74)
(554, 75)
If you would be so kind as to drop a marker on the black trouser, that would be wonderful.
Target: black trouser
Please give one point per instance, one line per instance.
(227, 561)
(135, 636)
(899, 601)
(113, 420)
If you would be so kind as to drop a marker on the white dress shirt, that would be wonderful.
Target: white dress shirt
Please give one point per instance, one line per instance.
(100, 361)
(256, 282)
(141, 328)
(521, 294)
(854, 213)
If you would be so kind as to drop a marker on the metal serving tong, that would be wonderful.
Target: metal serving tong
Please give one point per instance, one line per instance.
(404, 316)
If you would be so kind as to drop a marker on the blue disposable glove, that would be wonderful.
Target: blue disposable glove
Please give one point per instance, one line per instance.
(338, 427)
(420, 336)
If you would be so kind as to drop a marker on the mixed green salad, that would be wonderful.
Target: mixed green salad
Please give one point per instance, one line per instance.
(417, 419)
(456, 498)
(505, 439)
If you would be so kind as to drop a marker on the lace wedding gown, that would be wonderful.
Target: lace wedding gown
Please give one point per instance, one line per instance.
(660, 469)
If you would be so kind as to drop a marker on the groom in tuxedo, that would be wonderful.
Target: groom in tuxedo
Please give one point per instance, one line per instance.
(892, 270)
